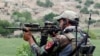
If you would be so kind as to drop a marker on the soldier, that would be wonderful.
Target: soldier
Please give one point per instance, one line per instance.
(61, 43)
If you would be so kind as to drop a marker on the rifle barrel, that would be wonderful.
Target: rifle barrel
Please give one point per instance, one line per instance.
(13, 28)
(31, 29)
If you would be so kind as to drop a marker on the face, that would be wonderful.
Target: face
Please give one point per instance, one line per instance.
(61, 24)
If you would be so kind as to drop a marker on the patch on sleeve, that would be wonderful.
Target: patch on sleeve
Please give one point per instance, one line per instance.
(49, 45)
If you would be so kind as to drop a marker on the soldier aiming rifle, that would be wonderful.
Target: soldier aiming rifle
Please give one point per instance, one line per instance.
(62, 43)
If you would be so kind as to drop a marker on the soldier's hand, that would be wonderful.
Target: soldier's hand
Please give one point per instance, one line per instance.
(27, 35)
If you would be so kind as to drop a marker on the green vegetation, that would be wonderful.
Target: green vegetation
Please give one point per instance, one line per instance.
(92, 35)
(97, 5)
(21, 16)
(97, 44)
(49, 17)
(84, 10)
(88, 3)
(95, 12)
(80, 1)
(78, 6)
(17, 46)
(91, 21)
(98, 20)
(17, 13)
(3, 24)
(8, 47)
(96, 31)
(47, 3)
(40, 21)
(18, 18)
(24, 50)
(27, 15)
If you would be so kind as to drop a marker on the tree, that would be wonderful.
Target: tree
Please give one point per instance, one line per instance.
(3, 24)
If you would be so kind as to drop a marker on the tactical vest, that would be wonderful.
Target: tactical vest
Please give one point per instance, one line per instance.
(83, 49)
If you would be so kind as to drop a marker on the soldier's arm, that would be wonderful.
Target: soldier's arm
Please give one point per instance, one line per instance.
(28, 37)
(34, 46)
(41, 50)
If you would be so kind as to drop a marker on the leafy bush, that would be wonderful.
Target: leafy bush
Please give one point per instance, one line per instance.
(49, 17)
(97, 5)
(27, 15)
(80, 1)
(78, 6)
(94, 12)
(92, 35)
(84, 10)
(21, 16)
(40, 3)
(17, 13)
(48, 3)
(3, 24)
(88, 2)
(24, 50)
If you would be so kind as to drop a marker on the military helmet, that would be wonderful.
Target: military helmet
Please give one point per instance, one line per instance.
(68, 14)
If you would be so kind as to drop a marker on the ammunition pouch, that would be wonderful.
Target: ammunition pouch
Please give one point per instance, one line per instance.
(87, 50)
(84, 49)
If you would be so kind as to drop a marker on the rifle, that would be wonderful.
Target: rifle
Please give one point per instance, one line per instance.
(48, 28)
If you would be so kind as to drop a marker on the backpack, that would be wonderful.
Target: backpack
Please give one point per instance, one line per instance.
(82, 48)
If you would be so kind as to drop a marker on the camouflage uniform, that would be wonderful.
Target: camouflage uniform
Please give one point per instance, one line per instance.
(60, 41)
(62, 44)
